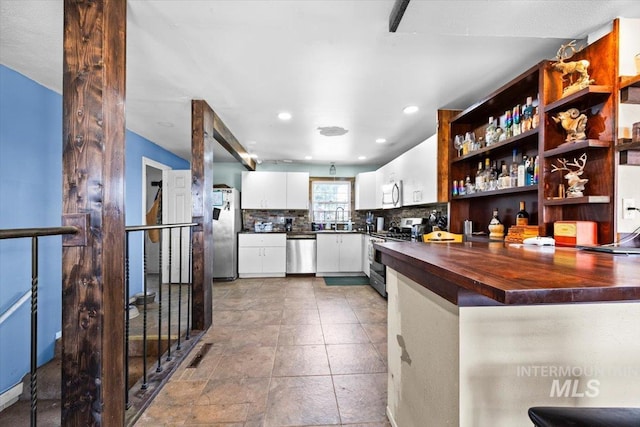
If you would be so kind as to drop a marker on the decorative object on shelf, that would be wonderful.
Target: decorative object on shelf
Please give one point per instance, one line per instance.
(574, 67)
(458, 144)
(574, 123)
(496, 228)
(574, 182)
(637, 59)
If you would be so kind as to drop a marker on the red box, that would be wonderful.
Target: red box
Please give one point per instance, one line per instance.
(572, 233)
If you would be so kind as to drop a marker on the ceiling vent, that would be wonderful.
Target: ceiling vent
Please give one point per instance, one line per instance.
(332, 131)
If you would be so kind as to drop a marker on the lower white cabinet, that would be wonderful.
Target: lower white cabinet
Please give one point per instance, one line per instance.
(262, 255)
(338, 253)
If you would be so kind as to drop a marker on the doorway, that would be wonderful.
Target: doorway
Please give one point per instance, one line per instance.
(152, 172)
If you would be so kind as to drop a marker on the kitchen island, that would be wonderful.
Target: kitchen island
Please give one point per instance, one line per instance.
(480, 332)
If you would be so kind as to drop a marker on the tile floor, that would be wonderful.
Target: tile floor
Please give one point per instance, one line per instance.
(284, 352)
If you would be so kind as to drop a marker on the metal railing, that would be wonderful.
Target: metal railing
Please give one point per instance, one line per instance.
(34, 234)
(166, 347)
(180, 231)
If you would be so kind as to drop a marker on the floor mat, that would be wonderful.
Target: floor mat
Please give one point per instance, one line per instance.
(346, 280)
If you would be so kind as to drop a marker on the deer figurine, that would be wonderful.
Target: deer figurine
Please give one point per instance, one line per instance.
(574, 182)
(575, 67)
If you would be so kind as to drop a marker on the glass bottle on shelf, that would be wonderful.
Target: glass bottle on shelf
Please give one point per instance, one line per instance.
(504, 179)
(536, 170)
(480, 178)
(496, 228)
(522, 217)
(469, 186)
(522, 172)
(490, 133)
(515, 116)
(529, 169)
(527, 115)
(454, 189)
(535, 120)
(508, 123)
(513, 174)
(493, 176)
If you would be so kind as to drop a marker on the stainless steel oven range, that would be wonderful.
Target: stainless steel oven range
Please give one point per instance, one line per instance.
(377, 275)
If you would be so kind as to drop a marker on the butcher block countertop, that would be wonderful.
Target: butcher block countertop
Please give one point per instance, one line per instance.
(473, 274)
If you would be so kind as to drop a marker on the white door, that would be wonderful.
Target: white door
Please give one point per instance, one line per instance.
(274, 260)
(250, 260)
(297, 190)
(327, 253)
(177, 202)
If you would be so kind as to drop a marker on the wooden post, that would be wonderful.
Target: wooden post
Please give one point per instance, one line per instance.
(202, 124)
(93, 183)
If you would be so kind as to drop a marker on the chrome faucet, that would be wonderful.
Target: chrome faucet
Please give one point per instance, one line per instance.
(339, 207)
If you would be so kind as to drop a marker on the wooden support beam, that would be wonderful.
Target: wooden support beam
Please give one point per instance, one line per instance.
(224, 136)
(444, 144)
(396, 14)
(202, 131)
(93, 183)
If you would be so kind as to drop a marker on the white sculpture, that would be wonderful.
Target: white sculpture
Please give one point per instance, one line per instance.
(575, 183)
(574, 123)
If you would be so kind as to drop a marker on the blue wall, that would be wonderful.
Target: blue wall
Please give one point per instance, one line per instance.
(31, 196)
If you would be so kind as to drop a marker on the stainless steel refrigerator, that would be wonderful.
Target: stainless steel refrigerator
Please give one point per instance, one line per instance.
(227, 222)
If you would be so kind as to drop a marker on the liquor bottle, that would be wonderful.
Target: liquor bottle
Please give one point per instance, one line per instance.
(496, 228)
(535, 121)
(529, 170)
(490, 133)
(536, 170)
(522, 172)
(522, 217)
(508, 122)
(513, 174)
(504, 179)
(486, 173)
(515, 116)
(479, 178)
(493, 176)
(454, 190)
(527, 115)
(468, 185)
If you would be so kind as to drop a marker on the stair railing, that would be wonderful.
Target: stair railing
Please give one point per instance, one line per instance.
(182, 231)
(33, 234)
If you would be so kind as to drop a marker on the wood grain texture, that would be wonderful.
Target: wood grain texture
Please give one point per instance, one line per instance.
(202, 131)
(444, 156)
(223, 135)
(515, 275)
(93, 183)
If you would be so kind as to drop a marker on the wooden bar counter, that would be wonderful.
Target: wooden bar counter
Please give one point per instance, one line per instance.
(480, 332)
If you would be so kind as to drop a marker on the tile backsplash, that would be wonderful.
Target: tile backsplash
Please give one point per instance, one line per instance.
(302, 221)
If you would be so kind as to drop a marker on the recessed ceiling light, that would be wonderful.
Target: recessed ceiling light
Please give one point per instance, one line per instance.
(362, 158)
(284, 116)
(166, 124)
(308, 157)
(410, 109)
(381, 140)
(252, 143)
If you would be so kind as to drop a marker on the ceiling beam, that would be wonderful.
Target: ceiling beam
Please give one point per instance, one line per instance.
(224, 136)
(396, 14)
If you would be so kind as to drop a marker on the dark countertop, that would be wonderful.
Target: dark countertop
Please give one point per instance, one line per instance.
(475, 273)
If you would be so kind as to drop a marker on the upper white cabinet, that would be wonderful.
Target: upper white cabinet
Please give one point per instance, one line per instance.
(366, 191)
(297, 190)
(275, 190)
(419, 172)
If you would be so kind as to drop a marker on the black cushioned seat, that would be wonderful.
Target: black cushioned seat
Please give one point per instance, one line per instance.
(553, 416)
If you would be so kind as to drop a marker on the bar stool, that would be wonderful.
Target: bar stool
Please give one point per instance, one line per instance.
(553, 416)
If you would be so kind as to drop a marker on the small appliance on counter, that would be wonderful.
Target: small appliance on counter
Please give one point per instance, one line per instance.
(263, 227)
(288, 224)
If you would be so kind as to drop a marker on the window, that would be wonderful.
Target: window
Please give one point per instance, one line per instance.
(329, 198)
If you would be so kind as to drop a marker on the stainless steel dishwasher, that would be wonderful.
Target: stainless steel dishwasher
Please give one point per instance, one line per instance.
(301, 253)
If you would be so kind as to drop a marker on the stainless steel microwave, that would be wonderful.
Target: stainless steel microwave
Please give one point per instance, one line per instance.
(392, 195)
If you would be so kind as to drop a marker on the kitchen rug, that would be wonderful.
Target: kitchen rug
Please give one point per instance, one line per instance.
(346, 280)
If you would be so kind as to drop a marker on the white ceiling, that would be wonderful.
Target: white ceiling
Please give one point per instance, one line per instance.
(327, 62)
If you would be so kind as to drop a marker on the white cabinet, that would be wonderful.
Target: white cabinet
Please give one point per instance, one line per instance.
(264, 190)
(275, 190)
(339, 253)
(366, 191)
(420, 173)
(262, 255)
(297, 190)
